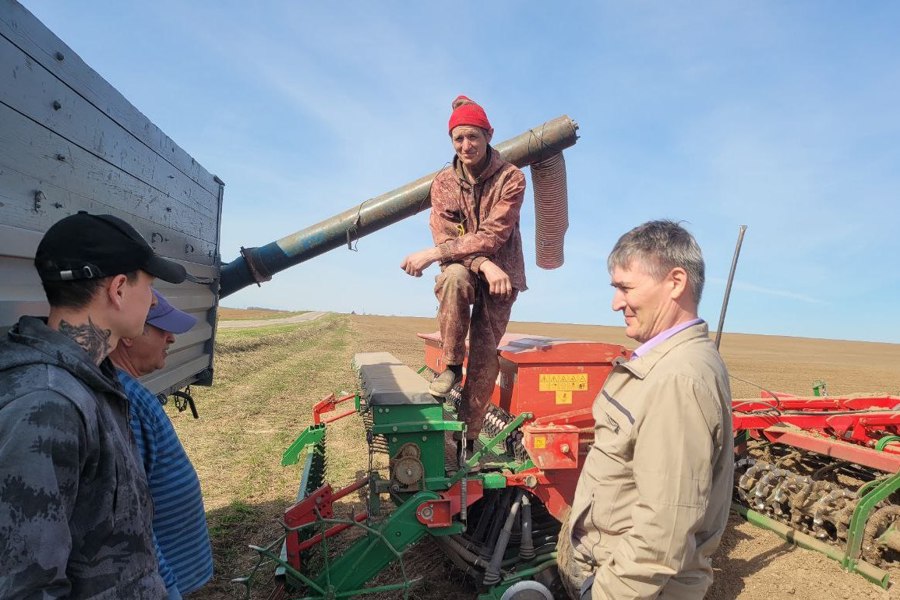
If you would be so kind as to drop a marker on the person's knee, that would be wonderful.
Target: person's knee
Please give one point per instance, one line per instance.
(454, 277)
(455, 272)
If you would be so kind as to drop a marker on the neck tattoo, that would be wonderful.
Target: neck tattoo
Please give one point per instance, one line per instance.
(94, 340)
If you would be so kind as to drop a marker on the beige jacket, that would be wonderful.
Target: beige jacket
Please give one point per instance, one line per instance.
(653, 497)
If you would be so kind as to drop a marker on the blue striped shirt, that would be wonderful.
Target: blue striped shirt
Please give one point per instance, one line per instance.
(179, 519)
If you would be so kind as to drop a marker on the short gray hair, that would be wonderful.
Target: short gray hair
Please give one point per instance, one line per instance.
(661, 246)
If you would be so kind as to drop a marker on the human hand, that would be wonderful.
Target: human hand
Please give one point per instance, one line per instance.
(497, 279)
(417, 262)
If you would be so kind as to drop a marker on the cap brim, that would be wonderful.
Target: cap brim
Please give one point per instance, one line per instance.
(174, 321)
(165, 269)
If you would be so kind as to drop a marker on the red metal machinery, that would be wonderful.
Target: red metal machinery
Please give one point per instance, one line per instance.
(541, 375)
(823, 472)
(554, 380)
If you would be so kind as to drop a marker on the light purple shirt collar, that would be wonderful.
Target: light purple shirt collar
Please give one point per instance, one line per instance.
(663, 336)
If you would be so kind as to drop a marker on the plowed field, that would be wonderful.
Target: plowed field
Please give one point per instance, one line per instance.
(267, 378)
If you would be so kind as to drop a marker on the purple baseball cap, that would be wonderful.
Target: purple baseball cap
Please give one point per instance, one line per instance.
(168, 318)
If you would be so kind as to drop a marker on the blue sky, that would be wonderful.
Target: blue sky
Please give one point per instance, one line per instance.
(781, 116)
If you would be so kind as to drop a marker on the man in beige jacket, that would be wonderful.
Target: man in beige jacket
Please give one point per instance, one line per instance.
(653, 497)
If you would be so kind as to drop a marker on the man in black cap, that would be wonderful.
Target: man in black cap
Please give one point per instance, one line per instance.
(75, 511)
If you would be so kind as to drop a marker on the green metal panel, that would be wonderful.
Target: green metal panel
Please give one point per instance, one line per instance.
(311, 436)
(382, 546)
(419, 424)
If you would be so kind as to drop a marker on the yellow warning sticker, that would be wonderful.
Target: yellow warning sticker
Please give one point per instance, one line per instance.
(540, 441)
(564, 397)
(563, 382)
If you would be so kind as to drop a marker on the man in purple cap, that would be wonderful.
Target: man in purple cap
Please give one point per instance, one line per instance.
(75, 510)
(179, 519)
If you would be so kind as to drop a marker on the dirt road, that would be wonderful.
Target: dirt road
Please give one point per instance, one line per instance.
(248, 323)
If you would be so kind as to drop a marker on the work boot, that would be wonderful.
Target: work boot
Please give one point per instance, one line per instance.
(442, 385)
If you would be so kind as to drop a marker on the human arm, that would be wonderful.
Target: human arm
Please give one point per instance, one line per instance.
(498, 280)
(165, 571)
(149, 425)
(43, 448)
(672, 467)
(417, 262)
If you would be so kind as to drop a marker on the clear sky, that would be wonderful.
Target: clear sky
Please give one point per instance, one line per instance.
(784, 116)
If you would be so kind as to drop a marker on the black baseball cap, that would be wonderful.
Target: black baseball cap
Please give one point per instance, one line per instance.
(86, 246)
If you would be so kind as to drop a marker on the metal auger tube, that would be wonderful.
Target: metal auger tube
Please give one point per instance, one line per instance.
(256, 265)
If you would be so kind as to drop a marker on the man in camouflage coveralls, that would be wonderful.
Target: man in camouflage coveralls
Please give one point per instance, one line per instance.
(475, 205)
(75, 510)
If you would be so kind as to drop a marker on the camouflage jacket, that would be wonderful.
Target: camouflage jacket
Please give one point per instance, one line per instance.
(473, 222)
(75, 510)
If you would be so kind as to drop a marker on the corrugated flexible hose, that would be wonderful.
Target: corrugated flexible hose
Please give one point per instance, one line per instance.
(551, 209)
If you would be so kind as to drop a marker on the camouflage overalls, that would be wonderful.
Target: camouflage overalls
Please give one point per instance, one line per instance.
(471, 223)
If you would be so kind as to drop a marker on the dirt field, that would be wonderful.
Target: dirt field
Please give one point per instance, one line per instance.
(267, 379)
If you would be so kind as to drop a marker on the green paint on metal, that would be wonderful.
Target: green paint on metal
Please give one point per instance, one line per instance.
(383, 544)
(864, 488)
(493, 481)
(870, 572)
(888, 439)
(420, 424)
(455, 528)
(528, 464)
(416, 427)
(473, 460)
(523, 571)
(819, 388)
(864, 508)
(309, 438)
(374, 493)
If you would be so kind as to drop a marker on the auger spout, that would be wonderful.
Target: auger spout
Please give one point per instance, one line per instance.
(256, 265)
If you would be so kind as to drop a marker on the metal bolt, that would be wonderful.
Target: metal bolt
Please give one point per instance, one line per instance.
(565, 448)
(57, 105)
(60, 56)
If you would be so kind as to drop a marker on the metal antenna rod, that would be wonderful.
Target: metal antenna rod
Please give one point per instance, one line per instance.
(734, 261)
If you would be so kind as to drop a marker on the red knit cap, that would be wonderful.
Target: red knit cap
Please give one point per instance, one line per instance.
(467, 112)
